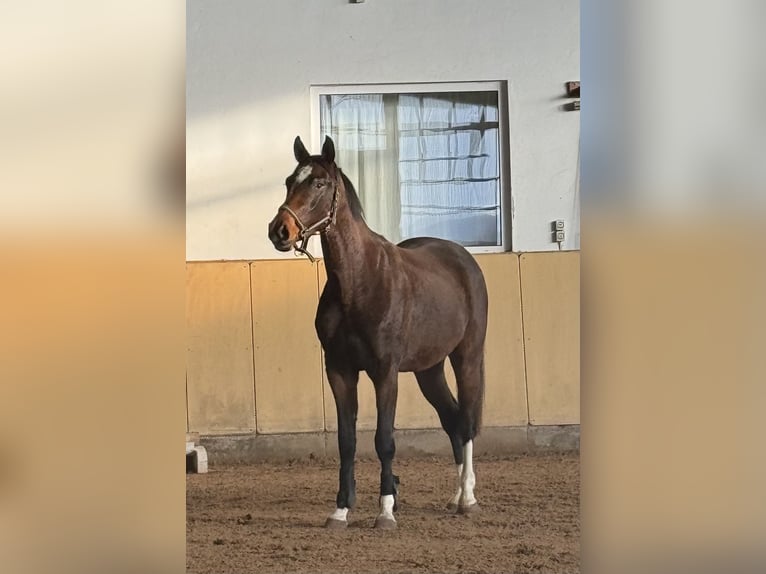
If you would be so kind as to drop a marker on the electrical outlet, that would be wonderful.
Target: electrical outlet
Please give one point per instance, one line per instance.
(559, 236)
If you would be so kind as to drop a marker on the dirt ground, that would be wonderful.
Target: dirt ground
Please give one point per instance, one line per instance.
(268, 518)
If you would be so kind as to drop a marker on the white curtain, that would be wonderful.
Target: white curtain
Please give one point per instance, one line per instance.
(424, 164)
(363, 128)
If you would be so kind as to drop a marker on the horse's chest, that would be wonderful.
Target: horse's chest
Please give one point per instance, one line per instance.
(357, 347)
(353, 343)
(344, 340)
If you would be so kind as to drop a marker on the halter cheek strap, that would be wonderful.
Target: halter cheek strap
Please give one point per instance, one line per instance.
(305, 233)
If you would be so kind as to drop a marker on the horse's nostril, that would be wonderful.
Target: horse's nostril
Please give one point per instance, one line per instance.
(283, 233)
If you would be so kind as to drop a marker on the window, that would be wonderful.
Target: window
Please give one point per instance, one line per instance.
(426, 160)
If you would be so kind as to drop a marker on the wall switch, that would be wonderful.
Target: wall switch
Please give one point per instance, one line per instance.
(559, 236)
(559, 225)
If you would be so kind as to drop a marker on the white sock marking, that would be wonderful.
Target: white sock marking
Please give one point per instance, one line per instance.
(456, 498)
(339, 514)
(469, 478)
(387, 506)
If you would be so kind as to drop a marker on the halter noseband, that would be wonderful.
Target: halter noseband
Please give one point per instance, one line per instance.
(320, 226)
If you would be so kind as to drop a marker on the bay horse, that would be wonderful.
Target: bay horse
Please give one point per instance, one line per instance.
(387, 309)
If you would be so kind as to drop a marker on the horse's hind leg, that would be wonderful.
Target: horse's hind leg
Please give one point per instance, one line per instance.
(434, 387)
(468, 364)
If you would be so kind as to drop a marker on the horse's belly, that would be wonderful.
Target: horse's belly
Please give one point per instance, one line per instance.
(431, 336)
(424, 353)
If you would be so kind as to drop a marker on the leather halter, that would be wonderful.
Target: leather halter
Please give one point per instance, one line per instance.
(306, 232)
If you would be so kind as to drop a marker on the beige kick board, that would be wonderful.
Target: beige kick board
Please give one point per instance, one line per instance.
(505, 402)
(289, 383)
(551, 304)
(219, 354)
(288, 379)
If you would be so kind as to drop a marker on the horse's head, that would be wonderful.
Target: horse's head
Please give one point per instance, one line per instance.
(312, 198)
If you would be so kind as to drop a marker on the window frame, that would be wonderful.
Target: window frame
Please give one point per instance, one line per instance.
(506, 200)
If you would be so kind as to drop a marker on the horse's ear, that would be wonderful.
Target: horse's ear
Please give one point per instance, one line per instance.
(328, 150)
(300, 151)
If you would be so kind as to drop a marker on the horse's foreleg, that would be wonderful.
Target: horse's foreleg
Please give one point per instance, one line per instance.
(343, 383)
(385, 398)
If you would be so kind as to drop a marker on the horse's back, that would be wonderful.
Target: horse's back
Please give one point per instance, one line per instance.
(443, 256)
(445, 252)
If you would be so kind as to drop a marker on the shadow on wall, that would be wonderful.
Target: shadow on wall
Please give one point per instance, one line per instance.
(228, 196)
(236, 164)
(246, 150)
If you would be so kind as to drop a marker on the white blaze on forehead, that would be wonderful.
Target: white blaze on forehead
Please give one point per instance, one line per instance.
(304, 172)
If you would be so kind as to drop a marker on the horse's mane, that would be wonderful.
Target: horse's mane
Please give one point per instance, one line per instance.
(352, 197)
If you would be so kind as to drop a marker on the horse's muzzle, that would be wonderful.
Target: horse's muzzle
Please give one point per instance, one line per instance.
(279, 235)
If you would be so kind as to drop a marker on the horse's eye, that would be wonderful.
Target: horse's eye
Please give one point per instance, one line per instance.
(318, 184)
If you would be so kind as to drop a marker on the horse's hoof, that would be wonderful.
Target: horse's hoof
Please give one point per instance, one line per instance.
(452, 507)
(470, 509)
(385, 523)
(334, 524)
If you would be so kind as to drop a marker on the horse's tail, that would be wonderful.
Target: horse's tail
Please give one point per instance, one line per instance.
(479, 405)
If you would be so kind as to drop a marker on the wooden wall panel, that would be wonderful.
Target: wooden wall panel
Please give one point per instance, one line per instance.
(219, 354)
(505, 401)
(230, 305)
(288, 382)
(551, 304)
(412, 408)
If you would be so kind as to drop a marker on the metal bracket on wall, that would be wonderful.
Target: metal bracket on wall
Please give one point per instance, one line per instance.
(573, 91)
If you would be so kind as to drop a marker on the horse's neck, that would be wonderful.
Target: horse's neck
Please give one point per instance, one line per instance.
(349, 250)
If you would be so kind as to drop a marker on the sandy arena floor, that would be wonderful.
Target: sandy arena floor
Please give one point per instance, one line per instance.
(268, 518)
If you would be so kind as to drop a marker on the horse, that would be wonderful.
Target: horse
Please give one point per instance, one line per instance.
(387, 309)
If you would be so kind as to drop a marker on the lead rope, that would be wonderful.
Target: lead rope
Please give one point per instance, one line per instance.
(320, 226)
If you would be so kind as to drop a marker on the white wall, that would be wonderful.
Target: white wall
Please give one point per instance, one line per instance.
(250, 65)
